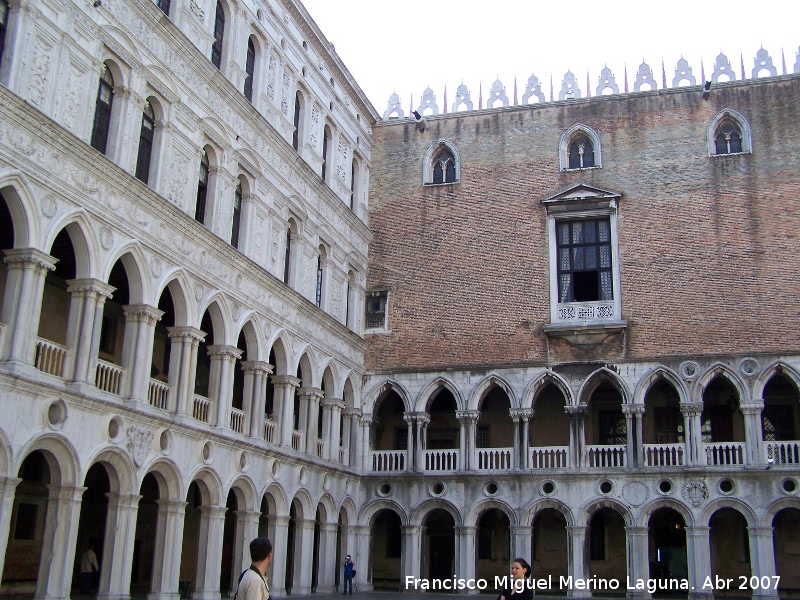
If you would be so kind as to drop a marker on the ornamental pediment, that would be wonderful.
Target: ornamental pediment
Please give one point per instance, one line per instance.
(581, 193)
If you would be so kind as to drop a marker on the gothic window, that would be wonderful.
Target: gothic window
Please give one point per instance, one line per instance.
(613, 428)
(376, 310)
(102, 111)
(326, 142)
(145, 144)
(287, 257)
(298, 120)
(250, 66)
(202, 188)
(347, 302)
(219, 34)
(442, 164)
(3, 21)
(353, 181)
(728, 139)
(237, 215)
(318, 292)
(584, 260)
(581, 153)
(164, 6)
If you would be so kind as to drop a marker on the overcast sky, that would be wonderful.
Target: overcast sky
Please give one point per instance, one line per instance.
(404, 47)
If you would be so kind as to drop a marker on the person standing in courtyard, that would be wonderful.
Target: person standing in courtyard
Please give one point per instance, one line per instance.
(349, 573)
(253, 582)
(89, 567)
(518, 588)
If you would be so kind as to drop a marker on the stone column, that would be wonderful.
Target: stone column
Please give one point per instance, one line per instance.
(137, 352)
(333, 408)
(183, 367)
(20, 23)
(249, 207)
(58, 542)
(83, 331)
(246, 531)
(284, 401)
(327, 558)
(347, 435)
(117, 560)
(362, 443)
(303, 549)
(209, 551)
(638, 415)
(255, 404)
(412, 553)
(521, 417)
(578, 558)
(698, 556)
(312, 396)
(277, 572)
(22, 303)
(692, 411)
(638, 556)
(762, 560)
(465, 558)
(361, 558)
(515, 452)
(8, 487)
(410, 443)
(528, 416)
(754, 443)
(164, 581)
(521, 537)
(469, 420)
(123, 144)
(577, 434)
(220, 381)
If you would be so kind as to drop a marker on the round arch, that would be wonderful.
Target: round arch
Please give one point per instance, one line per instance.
(276, 499)
(776, 506)
(82, 238)
(211, 490)
(659, 503)
(130, 253)
(474, 514)
(245, 491)
(167, 474)
(177, 283)
(60, 454)
(590, 509)
(367, 515)
(121, 475)
(420, 512)
(19, 197)
(536, 506)
(734, 503)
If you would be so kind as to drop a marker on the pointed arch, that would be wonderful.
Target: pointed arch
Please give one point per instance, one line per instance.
(488, 382)
(773, 369)
(652, 376)
(425, 397)
(330, 377)
(602, 374)
(541, 381)
(378, 391)
(20, 199)
(445, 149)
(727, 122)
(571, 135)
(714, 371)
(351, 391)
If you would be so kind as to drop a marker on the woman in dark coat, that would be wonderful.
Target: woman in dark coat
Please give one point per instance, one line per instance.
(519, 588)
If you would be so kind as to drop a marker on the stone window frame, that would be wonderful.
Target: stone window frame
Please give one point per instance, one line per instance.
(567, 138)
(724, 116)
(430, 155)
(385, 327)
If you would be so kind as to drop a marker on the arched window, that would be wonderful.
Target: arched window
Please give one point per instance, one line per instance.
(441, 164)
(3, 21)
(164, 6)
(145, 144)
(298, 114)
(321, 260)
(729, 133)
(348, 300)
(326, 141)
(581, 153)
(250, 67)
(219, 34)
(353, 182)
(102, 111)
(287, 258)
(237, 215)
(202, 187)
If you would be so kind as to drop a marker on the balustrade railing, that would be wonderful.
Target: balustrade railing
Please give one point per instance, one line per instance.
(494, 459)
(108, 377)
(50, 357)
(388, 460)
(237, 420)
(663, 455)
(200, 408)
(607, 455)
(269, 431)
(727, 453)
(158, 394)
(441, 460)
(549, 457)
(782, 453)
(297, 440)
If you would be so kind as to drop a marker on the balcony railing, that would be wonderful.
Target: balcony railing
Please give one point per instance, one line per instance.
(200, 408)
(50, 357)
(729, 453)
(607, 455)
(237, 420)
(494, 459)
(441, 460)
(297, 440)
(782, 453)
(552, 457)
(269, 431)
(663, 455)
(388, 460)
(158, 394)
(108, 377)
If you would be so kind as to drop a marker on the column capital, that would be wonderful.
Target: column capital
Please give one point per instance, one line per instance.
(698, 530)
(334, 404)
(329, 527)
(9, 484)
(751, 408)
(636, 530)
(760, 531)
(65, 492)
(306, 523)
(280, 520)
(580, 529)
(411, 529)
(633, 409)
(172, 506)
(256, 366)
(691, 409)
(522, 529)
(576, 412)
(142, 312)
(285, 381)
(192, 333)
(311, 393)
(214, 512)
(37, 258)
(88, 286)
(466, 530)
(468, 416)
(520, 414)
(123, 500)
(353, 413)
(229, 352)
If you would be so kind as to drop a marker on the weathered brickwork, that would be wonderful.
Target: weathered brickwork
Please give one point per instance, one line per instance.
(707, 245)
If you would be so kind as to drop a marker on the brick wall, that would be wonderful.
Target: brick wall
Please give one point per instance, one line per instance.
(707, 246)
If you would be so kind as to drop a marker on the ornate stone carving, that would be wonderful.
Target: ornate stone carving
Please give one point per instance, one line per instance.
(723, 67)
(106, 238)
(695, 492)
(606, 82)
(683, 72)
(197, 11)
(428, 102)
(763, 62)
(72, 100)
(49, 206)
(569, 87)
(395, 111)
(139, 442)
(533, 89)
(40, 68)
(497, 93)
(644, 76)
(689, 370)
(749, 367)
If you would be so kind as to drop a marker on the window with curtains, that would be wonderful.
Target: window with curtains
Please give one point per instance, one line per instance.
(584, 260)
(102, 111)
(145, 144)
(219, 35)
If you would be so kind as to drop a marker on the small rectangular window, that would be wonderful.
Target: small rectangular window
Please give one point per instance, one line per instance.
(482, 440)
(376, 310)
